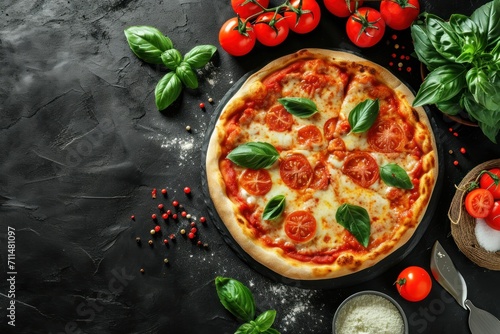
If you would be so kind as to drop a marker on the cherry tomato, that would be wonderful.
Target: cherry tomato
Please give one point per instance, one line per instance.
(486, 181)
(479, 203)
(304, 19)
(493, 219)
(386, 136)
(365, 28)
(339, 7)
(278, 119)
(300, 226)
(296, 171)
(399, 14)
(271, 29)
(309, 135)
(362, 168)
(236, 38)
(247, 9)
(256, 182)
(414, 284)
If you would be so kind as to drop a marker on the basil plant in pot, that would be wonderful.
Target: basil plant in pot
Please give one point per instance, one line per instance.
(462, 55)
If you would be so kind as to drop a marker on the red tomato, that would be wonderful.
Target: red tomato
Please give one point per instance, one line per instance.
(339, 7)
(300, 226)
(399, 14)
(386, 136)
(329, 128)
(245, 8)
(271, 29)
(414, 284)
(320, 178)
(304, 19)
(309, 135)
(278, 119)
(362, 168)
(479, 203)
(236, 40)
(365, 28)
(493, 219)
(256, 182)
(492, 183)
(296, 171)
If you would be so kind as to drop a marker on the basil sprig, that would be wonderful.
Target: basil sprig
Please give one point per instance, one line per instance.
(274, 208)
(238, 300)
(356, 220)
(254, 155)
(151, 46)
(299, 106)
(462, 55)
(363, 115)
(395, 176)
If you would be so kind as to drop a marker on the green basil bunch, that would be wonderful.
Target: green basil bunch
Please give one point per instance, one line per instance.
(150, 45)
(238, 300)
(463, 57)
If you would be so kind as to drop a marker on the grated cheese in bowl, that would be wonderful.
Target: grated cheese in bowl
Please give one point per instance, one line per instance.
(369, 312)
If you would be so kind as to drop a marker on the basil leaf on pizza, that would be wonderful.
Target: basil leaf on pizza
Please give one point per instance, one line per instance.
(356, 220)
(363, 115)
(274, 208)
(394, 175)
(254, 155)
(299, 106)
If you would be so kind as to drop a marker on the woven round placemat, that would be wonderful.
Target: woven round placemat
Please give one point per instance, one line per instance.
(463, 225)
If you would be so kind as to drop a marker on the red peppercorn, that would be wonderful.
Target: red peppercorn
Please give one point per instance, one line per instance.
(191, 235)
(462, 150)
(153, 216)
(164, 191)
(199, 243)
(165, 241)
(132, 217)
(203, 220)
(175, 203)
(194, 230)
(455, 134)
(169, 212)
(164, 216)
(172, 236)
(187, 190)
(202, 105)
(160, 206)
(174, 216)
(455, 163)
(157, 228)
(193, 224)
(183, 213)
(153, 193)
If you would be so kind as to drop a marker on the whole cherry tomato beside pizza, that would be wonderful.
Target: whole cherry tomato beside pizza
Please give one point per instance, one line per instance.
(399, 14)
(365, 27)
(414, 283)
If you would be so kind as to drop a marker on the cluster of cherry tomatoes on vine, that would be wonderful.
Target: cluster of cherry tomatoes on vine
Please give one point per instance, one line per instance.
(256, 22)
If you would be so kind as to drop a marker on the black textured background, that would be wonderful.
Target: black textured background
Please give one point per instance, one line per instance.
(82, 146)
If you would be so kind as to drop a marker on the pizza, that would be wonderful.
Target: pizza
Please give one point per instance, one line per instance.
(318, 165)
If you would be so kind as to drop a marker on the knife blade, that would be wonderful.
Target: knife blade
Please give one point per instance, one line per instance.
(447, 275)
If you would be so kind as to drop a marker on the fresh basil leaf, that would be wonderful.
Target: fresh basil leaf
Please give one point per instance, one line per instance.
(200, 55)
(235, 297)
(488, 120)
(395, 176)
(254, 155)
(443, 37)
(248, 328)
(147, 43)
(274, 208)
(265, 320)
(451, 106)
(487, 18)
(481, 88)
(473, 43)
(187, 75)
(356, 220)
(171, 59)
(167, 90)
(425, 51)
(299, 106)
(363, 115)
(441, 84)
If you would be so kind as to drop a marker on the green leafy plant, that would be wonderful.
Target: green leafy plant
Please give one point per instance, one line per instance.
(238, 300)
(151, 46)
(462, 55)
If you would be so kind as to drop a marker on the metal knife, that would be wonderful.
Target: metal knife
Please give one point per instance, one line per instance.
(445, 273)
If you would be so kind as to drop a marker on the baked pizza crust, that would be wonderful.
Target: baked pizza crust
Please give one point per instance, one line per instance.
(273, 258)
